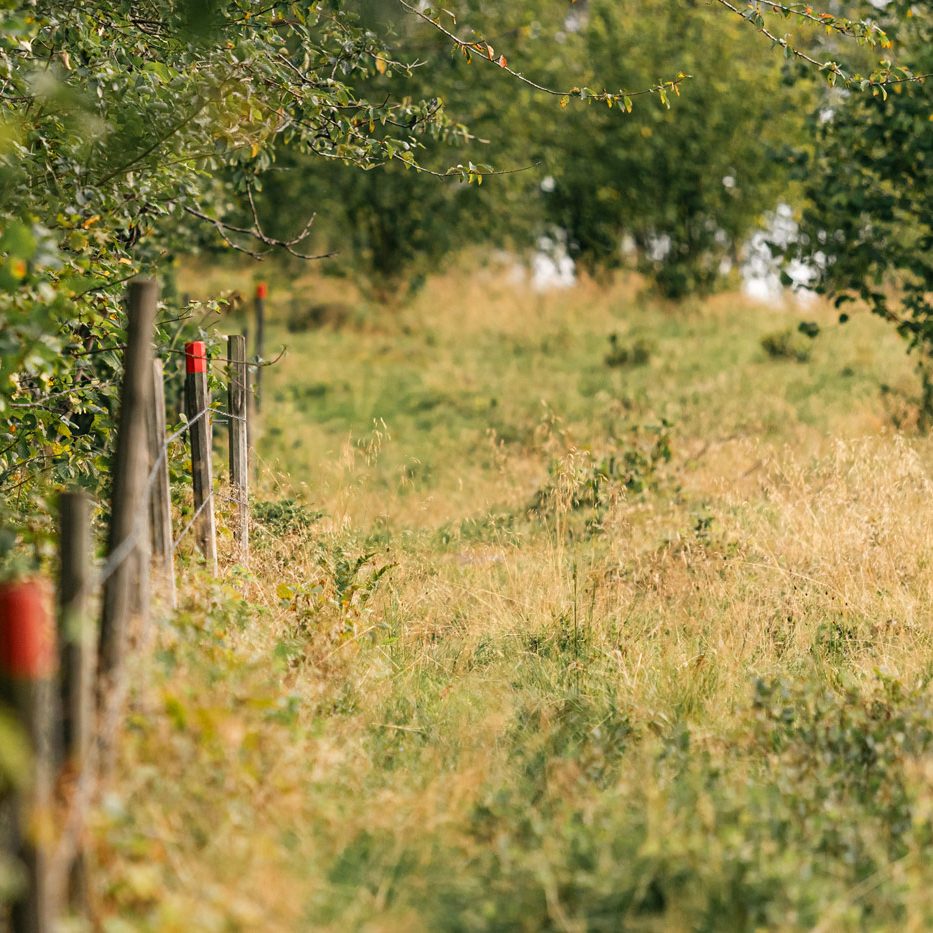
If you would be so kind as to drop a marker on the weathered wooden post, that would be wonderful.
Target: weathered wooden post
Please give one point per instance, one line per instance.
(27, 668)
(78, 663)
(129, 510)
(76, 628)
(160, 500)
(262, 290)
(237, 396)
(199, 433)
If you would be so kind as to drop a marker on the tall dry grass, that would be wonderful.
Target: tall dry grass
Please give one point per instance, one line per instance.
(475, 693)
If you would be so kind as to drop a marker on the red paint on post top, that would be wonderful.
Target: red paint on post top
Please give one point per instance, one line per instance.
(195, 357)
(262, 290)
(27, 639)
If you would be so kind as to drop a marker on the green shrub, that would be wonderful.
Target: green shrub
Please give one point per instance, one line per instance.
(283, 516)
(637, 353)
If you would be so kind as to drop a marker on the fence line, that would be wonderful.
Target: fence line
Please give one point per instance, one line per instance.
(72, 724)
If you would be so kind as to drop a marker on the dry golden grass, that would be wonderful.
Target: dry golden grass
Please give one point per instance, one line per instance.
(434, 708)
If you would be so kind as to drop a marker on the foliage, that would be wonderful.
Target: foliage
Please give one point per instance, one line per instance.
(282, 516)
(115, 122)
(867, 227)
(333, 603)
(581, 481)
(387, 228)
(390, 227)
(683, 186)
(638, 353)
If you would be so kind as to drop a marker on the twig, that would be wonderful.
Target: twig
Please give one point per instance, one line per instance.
(485, 52)
(257, 234)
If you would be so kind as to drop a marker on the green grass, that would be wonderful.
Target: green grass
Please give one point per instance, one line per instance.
(529, 641)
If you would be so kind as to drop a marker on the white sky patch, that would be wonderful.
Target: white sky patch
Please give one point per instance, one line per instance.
(761, 271)
(551, 265)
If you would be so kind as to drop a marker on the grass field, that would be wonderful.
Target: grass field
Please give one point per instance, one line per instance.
(531, 641)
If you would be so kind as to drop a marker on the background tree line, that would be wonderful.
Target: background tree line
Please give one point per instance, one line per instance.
(682, 187)
(684, 184)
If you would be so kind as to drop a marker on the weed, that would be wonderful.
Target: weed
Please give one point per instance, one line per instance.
(637, 353)
(581, 482)
(283, 516)
(787, 345)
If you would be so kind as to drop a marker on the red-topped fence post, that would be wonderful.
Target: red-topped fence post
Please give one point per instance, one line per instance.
(198, 400)
(27, 669)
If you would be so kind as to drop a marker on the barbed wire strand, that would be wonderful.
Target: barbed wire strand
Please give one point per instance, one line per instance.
(194, 518)
(128, 545)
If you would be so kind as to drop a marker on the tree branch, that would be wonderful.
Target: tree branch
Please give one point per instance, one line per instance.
(486, 53)
(257, 233)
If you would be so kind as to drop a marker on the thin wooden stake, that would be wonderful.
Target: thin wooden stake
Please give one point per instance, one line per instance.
(76, 628)
(262, 290)
(78, 663)
(199, 433)
(128, 509)
(160, 501)
(27, 667)
(237, 394)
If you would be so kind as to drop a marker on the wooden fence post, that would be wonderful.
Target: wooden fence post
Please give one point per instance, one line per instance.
(27, 667)
(199, 433)
(237, 394)
(78, 663)
(128, 510)
(160, 501)
(262, 290)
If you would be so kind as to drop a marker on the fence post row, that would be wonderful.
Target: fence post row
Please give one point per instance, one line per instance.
(198, 401)
(27, 667)
(237, 398)
(69, 733)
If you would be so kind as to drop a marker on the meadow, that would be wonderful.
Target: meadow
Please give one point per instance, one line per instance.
(571, 611)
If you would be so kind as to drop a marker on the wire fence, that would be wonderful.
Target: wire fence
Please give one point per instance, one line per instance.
(89, 689)
(125, 549)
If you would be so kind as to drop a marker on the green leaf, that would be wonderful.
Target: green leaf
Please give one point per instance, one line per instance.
(18, 241)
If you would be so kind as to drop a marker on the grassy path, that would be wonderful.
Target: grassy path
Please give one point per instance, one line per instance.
(530, 641)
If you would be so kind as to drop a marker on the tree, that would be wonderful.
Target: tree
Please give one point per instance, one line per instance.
(391, 226)
(867, 227)
(116, 121)
(684, 185)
